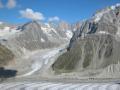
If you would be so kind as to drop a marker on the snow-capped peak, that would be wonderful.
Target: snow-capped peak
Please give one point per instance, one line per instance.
(47, 24)
(118, 4)
(114, 6)
(47, 28)
(99, 14)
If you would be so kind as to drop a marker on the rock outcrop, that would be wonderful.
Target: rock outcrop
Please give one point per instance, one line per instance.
(6, 56)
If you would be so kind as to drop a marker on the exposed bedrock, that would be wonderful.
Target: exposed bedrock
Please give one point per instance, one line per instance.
(92, 52)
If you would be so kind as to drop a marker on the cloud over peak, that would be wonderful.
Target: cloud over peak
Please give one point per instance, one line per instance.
(30, 14)
(55, 18)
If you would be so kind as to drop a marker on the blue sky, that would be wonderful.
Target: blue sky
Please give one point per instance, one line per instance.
(69, 10)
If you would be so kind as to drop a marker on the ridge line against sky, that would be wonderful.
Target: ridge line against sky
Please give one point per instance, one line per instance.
(20, 11)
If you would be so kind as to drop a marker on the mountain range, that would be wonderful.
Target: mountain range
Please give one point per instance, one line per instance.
(86, 49)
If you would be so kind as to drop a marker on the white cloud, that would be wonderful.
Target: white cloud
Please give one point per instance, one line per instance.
(11, 4)
(54, 18)
(30, 14)
(1, 4)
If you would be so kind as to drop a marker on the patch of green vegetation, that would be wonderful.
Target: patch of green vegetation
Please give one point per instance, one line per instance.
(68, 61)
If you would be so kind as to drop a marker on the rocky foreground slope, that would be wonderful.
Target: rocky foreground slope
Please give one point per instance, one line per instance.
(94, 50)
(5, 56)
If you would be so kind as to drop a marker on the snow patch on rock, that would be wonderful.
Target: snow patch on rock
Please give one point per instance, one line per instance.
(114, 6)
(99, 15)
(103, 32)
(69, 34)
(47, 29)
(42, 40)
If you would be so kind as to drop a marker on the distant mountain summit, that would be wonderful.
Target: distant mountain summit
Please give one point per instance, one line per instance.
(94, 50)
(7, 30)
(36, 35)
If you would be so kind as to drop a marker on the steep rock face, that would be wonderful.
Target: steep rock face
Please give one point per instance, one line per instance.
(92, 52)
(94, 47)
(105, 21)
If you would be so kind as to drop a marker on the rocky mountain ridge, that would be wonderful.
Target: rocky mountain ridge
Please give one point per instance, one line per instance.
(94, 48)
